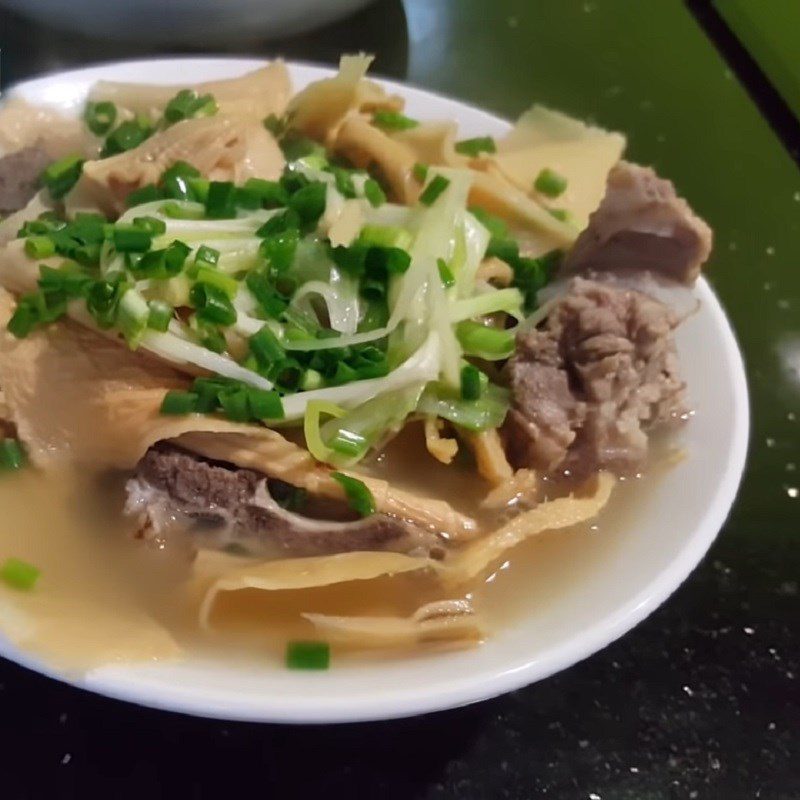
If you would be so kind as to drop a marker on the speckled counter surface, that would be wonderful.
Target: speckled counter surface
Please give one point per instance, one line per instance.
(702, 700)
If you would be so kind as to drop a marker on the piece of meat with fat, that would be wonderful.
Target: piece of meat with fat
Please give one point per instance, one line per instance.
(19, 177)
(642, 224)
(222, 506)
(588, 385)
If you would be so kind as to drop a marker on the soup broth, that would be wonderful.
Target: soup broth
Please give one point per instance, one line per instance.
(105, 596)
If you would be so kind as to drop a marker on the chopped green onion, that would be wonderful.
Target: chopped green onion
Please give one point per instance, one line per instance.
(359, 497)
(60, 176)
(153, 225)
(40, 246)
(270, 193)
(284, 221)
(132, 316)
(213, 304)
(445, 273)
(385, 236)
(481, 340)
(126, 136)
(348, 443)
(213, 277)
(177, 402)
(308, 655)
(220, 203)
(264, 405)
(270, 301)
(186, 105)
(198, 188)
(276, 125)
(505, 249)
(550, 183)
(343, 178)
(12, 456)
(420, 172)
(373, 289)
(496, 227)
(393, 121)
(532, 274)
(266, 348)
(161, 264)
(311, 380)
(381, 261)
(103, 300)
(247, 199)
(235, 405)
(159, 316)
(206, 257)
(131, 239)
(374, 193)
(309, 202)
(147, 194)
(19, 574)
(279, 249)
(561, 214)
(433, 190)
(25, 317)
(476, 146)
(470, 382)
(287, 374)
(99, 117)
(177, 210)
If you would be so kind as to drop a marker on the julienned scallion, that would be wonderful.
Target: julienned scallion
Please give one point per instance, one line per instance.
(311, 300)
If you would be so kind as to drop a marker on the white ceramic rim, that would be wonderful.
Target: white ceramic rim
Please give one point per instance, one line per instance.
(419, 700)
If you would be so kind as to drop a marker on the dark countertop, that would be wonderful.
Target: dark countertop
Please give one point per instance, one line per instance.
(702, 700)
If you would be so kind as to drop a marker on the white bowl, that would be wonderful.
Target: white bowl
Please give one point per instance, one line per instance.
(187, 22)
(644, 561)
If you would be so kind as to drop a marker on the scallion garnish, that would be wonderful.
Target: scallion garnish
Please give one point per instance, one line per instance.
(221, 200)
(178, 403)
(60, 176)
(99, 117)
(432, 191)
(19, 574)
(470, 382)
(126, 136)
(279, 249)
(214, 277)
(308, 655)
(359, 497)
(159, 316)
(474, 147)
(12, 455)
(186, 105)
(393, 121)
(550, 183)
(276, 125)
(153, 225)
(213, 304)
(308, 202)
(147, 194)
(206, 257)
(270, 193)
(374, 193)
(40, 246)
(484, 341)
(420, 172)
(445, 273)
(266, 348)
(131, 238)
(561, 214)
